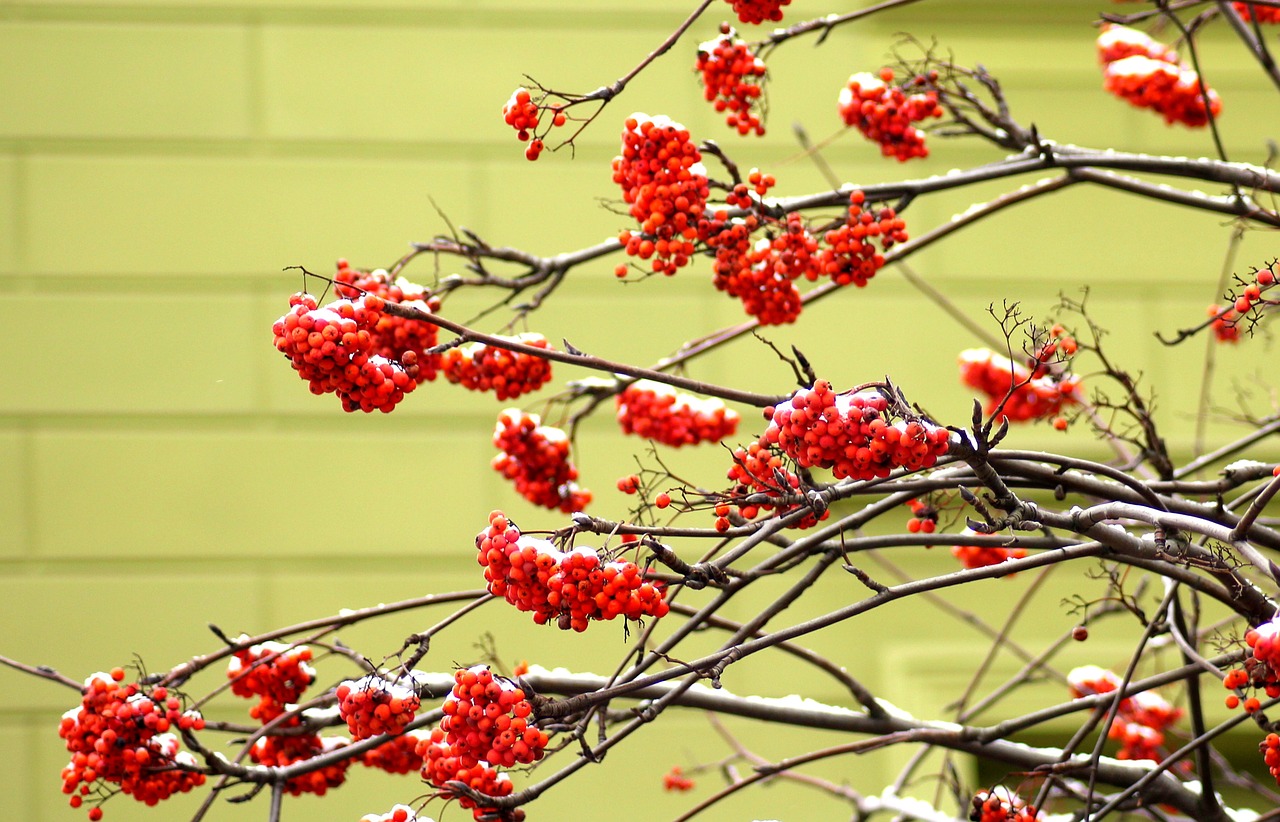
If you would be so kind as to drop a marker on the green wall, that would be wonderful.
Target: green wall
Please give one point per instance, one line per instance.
(161, 468)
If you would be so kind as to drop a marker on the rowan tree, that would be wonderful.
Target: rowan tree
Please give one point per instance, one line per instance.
(1174, 552)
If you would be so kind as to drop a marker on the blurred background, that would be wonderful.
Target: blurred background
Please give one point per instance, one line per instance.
(162, 468)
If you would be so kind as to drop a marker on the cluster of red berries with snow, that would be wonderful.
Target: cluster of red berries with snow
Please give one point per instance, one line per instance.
(658, 412)
(886, 114)
(755, 12)
(1263, 14)
(332, 349)
(488, 718)
(372, 706)
(849, 256)
(509, 374)
(1148, 74)
(569, 589)
(1260, 671)
(1117, 42)
(851, 434)
(1141, 719)
(1001, 805)
(665, 187)
(393, 337)
(120, 737)
(524, 115)
(289, 749)
(984, 556)
(536, 458)
(488, 724)
(1033, 393)
(731, 77)
(398, 813)
(276, 672)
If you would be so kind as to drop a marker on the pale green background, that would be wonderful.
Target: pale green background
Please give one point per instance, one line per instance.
(162, 468)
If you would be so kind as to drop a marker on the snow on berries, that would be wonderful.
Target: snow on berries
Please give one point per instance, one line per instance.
(394, 337)
(398, 813)
(658, 412)
(566, 588)
(1027, 393)
(665, 186)
(851, 433)
(1152, 77)
(1141, 719)
(755, 12)
(984, 556)
(120, 740)
(731, 78)
(331, 347)
(276, 672)
(372, 706)
(999, 804)
(536, 458)
(398, 755)
(886, 114)
(1117, 42)
(509, 374)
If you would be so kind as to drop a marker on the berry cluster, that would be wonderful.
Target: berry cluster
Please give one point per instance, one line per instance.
(275, 672)
(755, 12)
(488, 718)
(1028, 393)
(536, 458)
(665, 186)
(1263, 14)
(523, 114)
(1141, 719)
(398, 755)
(372, 705)
(1150, 75)
(1261, 670)
(759, 470)
(1001, 805)
(884, 113)
(120, 736)
(398, 813)
(441, 764)
(983, 556)
(1118, 42)
(332, 349)
(731, 77)
(658, 412)
(509, 374)
(924, 517)
(849, 256)
(851, 434)
(675, 780)
(1249, 300)
(283, 751)
(569, 589)
(1270, 750)
(1225, 324)
(393, 337)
